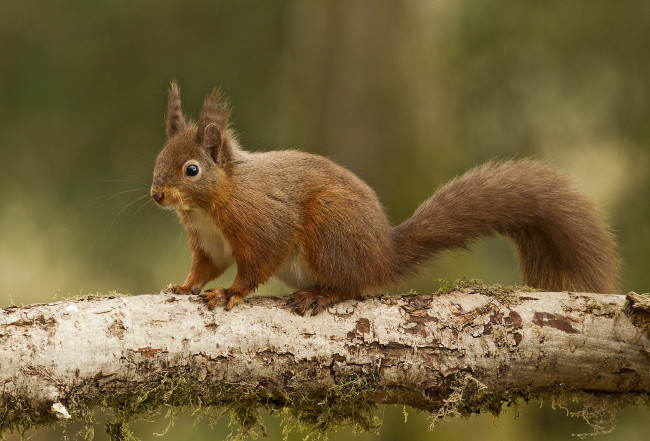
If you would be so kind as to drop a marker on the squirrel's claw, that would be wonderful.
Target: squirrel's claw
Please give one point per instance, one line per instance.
(182, 289)
(232, 301)
(220, 295)
(302, 301)
(177, 289)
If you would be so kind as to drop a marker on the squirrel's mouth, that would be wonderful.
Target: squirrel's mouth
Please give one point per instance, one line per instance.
(170, 198)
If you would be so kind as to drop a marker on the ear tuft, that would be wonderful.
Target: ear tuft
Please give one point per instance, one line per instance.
(175, 120)
(216, 110)
(215, 142)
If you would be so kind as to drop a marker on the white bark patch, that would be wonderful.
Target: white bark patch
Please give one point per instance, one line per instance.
(60, 411)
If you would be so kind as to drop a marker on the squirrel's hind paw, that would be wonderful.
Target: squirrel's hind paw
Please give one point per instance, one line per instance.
(302, 301)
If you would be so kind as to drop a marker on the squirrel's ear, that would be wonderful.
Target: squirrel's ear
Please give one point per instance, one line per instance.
(215, 111)
(215, 142)
(175, 120)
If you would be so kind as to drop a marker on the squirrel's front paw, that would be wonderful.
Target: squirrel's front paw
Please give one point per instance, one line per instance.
(182, 289)
(221, 295)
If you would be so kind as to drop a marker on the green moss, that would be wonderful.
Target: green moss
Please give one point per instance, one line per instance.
(17, 416)
(464, 388)
(89, 296)
(344, 404)
(507, 295)
(444, 285)
(469, 396)
(313, 413)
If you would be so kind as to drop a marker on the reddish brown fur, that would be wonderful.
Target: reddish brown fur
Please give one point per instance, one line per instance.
(321, 229)
(175, 119)
(561, 241)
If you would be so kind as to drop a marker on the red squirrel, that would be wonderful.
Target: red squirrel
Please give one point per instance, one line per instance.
(322, 231)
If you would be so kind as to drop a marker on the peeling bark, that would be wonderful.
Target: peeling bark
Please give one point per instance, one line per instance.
(406, 349)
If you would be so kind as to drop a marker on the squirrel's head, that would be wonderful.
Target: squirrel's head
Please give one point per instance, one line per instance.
(196, 159)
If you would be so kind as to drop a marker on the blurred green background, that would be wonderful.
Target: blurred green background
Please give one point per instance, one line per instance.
(407, 94)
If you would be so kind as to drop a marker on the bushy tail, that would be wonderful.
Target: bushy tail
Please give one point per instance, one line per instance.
(561, 241)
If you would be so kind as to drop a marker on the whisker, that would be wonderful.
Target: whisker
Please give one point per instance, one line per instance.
(112, 195)
(131, 181)
(137, 178)
(125, 207)
(138, 210)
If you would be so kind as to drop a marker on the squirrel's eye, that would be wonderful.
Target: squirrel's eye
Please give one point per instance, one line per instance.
(191, 170)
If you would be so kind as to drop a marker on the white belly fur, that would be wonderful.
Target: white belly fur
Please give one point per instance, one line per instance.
(211, 239)
(294, 271)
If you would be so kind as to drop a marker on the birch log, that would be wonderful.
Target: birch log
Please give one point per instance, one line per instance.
(406, 349)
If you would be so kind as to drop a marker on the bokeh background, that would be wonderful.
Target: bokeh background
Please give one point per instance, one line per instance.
(407, 94)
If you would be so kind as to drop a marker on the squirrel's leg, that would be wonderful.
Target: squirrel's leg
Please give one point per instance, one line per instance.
(317, 299)
(202, 270)
(246, 281)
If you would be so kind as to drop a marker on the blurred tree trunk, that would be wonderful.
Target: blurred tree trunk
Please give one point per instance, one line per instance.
(367, 86)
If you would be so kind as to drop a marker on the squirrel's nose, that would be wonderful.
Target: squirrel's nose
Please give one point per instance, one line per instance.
(157, 196)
